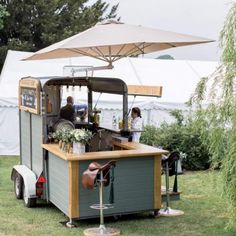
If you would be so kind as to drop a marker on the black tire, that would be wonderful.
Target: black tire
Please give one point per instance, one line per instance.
(28, 202)
(18, 183)
(156, 213)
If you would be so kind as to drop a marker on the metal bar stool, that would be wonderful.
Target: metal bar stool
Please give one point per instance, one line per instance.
(170, 163)
(102, 230)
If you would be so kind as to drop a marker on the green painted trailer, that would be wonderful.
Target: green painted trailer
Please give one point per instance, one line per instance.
(46, 172)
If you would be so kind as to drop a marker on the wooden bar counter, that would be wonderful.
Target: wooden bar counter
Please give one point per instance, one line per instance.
(137, 184)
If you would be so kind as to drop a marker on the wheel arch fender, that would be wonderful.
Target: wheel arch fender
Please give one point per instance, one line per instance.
(29, 179)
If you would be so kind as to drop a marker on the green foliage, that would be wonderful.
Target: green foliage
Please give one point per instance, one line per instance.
(183, 135)
(32, 25)
(220, 112)
(3, 14)
(73, 135)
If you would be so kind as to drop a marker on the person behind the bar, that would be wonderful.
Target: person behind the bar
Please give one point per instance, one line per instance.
(136, 124)
(68, 112)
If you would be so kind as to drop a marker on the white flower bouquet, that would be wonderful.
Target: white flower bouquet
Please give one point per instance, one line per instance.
(67, 137)
(81, 136)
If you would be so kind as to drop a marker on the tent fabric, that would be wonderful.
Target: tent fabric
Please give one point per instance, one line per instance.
(9, 130)
(8, 102)
(178, 79)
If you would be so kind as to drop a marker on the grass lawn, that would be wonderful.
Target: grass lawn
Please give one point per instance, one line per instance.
(201, 200)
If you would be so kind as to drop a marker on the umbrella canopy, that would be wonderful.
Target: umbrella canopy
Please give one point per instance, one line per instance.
(112, 40)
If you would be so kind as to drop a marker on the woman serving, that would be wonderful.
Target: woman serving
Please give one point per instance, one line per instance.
(136, 124)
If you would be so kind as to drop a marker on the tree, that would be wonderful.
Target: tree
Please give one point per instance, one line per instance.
(220, 113)
(33, 25)
(165, 57)
(3, 14)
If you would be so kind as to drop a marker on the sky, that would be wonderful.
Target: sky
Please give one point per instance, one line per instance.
(204, 18)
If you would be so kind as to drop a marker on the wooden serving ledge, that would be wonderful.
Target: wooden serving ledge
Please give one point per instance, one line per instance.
(130, 149)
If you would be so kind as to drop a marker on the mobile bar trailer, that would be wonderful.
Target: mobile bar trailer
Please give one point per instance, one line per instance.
(46, 172)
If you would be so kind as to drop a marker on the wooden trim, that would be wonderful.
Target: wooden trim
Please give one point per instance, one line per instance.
(73, 189)
(157, 182)
(134, 146)
(139, 150)
(143, 90)
(31, 84)
(28, 83)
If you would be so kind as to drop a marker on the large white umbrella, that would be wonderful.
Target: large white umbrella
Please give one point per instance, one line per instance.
(112, 40)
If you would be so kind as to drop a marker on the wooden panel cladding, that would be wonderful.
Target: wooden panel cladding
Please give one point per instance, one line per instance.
(73, 189)
(29, 95)
(141, 90)
(157, 182)
(58, 182)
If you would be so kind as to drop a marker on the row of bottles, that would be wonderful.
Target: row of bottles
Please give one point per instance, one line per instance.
(48, 105)
(117, 122)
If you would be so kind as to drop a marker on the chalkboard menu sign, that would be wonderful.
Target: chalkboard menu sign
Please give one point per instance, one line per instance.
(29, 95)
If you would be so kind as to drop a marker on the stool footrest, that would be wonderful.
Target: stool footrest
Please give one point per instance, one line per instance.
(103, 206)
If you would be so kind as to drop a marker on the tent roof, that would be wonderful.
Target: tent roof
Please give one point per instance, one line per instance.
(177, 77)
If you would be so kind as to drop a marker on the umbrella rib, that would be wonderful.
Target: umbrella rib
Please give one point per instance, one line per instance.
(98, 51)
(109, 48)
(101, 55)
(172, 45)
(87, 54)
(121, 49)
(115, 58)
(143, 46)
(118, 57)
(133, 50)
(139, 49)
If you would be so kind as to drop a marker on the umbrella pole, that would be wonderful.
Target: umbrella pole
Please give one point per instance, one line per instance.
(87, 69)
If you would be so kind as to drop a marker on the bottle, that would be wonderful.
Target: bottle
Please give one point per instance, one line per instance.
(129, 123)
(49, 105)
(96, 118)
(114, 122)
(120, 123)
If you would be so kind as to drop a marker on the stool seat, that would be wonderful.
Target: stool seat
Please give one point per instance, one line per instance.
(98, 175)
(91, 176)
(170, 168)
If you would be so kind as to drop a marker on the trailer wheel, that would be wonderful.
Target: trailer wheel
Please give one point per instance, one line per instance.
(28, 202)
(18, 182)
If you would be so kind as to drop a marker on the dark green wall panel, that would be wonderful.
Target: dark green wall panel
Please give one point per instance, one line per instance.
(133, 188)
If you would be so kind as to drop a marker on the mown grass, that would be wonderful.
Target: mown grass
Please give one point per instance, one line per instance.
(201, 200)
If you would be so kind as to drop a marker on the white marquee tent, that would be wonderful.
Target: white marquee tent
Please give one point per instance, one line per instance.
(178, 79)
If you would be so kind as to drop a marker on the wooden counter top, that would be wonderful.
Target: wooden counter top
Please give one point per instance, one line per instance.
(132, 150)
(136, 146)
